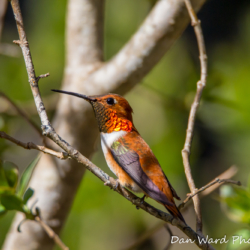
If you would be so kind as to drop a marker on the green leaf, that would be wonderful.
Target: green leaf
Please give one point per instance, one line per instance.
(237, 203)
(11, 173)
(27, 195)
(12, 202)
(24, 181)
(6, 190)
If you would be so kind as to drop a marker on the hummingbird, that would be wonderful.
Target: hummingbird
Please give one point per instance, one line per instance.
(127, 155)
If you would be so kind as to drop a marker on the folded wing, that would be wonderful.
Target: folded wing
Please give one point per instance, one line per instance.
(129, 162)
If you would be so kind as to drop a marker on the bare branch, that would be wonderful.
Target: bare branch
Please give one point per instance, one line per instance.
(42, 76)
(162, 27)
(229, 173)
(31, 145)
(84, 33)
(51, 233)
(191, 120)
(21, 113)
(23, 43)
(217, 180)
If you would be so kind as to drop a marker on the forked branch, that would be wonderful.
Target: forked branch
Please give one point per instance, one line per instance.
(217, 180)
(31, 145)
(191, 120)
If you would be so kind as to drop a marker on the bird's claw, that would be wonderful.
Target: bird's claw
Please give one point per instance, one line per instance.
(108, 183)
(116, 184)
(141, 201)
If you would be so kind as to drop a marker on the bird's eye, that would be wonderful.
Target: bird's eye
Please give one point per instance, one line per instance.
(110, 101)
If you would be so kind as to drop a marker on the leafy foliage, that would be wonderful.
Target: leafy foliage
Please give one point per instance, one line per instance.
(12, 195)
(236, 203)
(25, 178)
(239, 240)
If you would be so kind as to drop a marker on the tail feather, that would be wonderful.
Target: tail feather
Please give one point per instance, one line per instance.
(175, 212)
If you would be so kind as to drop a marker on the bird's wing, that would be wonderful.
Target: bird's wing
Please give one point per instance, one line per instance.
(129, 161)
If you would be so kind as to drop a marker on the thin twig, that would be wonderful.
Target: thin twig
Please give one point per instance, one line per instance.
(22, 113)
(31, 145)
(229, 173)
(191, 120)
(24, 45)
(49, 131)
(51, 233)
(217, 180)
(42, 76)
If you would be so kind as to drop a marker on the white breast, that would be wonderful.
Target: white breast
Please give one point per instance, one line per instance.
(107, 139)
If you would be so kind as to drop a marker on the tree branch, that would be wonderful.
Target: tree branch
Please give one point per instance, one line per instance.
(217, 180)
(51, 233)
(33, 80)
(162, 27)
(31, 145)
(229, 173)
(22, 113)
(191, 120)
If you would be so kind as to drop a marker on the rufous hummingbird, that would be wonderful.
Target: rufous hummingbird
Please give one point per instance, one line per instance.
(128, 156)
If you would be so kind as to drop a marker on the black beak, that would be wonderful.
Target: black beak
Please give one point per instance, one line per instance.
(89, 99)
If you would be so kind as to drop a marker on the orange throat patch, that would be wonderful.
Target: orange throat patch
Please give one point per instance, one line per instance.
(118, 124)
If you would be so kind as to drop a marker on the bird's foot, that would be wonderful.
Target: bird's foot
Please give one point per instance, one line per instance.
(116, 184)
(108, 183)
(141, 201)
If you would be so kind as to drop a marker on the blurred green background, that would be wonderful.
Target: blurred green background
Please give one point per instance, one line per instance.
(162, 101)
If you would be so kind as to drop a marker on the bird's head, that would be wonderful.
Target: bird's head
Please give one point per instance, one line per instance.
(112, 111)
